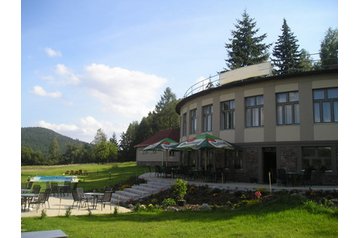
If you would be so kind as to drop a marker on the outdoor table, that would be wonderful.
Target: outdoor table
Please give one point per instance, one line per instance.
(25, 190)
(28, 197)
(95, 196)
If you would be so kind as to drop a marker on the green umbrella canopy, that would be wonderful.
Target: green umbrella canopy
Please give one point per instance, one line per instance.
(204, 141)
(164, 144)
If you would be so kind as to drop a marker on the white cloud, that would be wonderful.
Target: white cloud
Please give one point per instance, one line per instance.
(53, 53)
(38, 90)
(85, 129)
(130, 93)
(67, 74)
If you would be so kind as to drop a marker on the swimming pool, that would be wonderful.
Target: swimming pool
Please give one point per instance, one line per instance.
(60, 179)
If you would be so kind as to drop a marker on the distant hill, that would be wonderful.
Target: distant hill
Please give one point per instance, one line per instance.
(39, 139)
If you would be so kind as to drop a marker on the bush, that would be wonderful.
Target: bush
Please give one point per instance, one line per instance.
(115, 211)
(180, 189)
(168, 202)
(43, 213)
(315, 208)
(68, 212)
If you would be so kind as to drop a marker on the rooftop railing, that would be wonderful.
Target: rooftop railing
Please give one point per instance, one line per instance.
(214, 81)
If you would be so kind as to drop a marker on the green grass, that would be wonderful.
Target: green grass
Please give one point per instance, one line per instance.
(99, 175)
(280, 218)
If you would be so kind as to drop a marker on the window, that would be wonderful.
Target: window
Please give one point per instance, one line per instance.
(193, 121)
(207, 118)
(319, 158)
(325, 105)
(227, 117)
(288, 109)
(184, 124)
(254, 111)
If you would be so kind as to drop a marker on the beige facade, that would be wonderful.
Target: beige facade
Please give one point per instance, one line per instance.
(160, 158)
(287, 141)
(270, 132)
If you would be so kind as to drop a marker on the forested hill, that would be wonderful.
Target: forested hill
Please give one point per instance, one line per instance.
(40, 139)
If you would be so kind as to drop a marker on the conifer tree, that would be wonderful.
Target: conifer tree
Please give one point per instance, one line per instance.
(245, 48)
(287, 56)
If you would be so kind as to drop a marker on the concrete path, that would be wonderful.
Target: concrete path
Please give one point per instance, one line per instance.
(241, 186)
(59, 206)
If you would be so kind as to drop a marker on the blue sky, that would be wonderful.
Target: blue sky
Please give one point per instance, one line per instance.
(89, 64)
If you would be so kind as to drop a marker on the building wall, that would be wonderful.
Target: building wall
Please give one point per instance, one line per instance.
(307, 130)
(152, 158)
(288, 140)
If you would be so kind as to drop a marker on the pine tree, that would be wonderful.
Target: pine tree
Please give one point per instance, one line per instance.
(245, 48)
(286, 53)
(329, 49)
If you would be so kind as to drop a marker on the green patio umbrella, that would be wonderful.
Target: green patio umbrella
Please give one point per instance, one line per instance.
(163, 145)
(204, 141)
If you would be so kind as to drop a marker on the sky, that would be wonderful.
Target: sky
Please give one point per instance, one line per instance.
(89, 64)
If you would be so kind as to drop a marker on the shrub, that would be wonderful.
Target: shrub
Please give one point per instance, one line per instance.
(180, 189)
(89, 212)
(168, 202)
(68, 212)
(43, 213)
(315, 208)
(139, 207)
(115, 211)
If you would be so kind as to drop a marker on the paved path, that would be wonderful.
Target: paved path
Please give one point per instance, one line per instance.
(241, 186)
(59, 209)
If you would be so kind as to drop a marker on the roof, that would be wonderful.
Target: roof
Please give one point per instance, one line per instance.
(173, 134)
(251, 81)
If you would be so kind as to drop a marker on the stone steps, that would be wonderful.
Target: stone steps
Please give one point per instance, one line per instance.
(137, 192)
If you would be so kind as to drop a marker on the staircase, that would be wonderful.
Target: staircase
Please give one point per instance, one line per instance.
(137, 192)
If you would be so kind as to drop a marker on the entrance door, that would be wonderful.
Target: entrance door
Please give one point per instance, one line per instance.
(269, 164)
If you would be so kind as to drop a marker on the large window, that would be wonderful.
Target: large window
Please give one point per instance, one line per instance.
(193, 121)
(227, 117)
(207, 118)
(325, 105)
(288, 108)
(184, 124)
(319, 158)
(254, 111)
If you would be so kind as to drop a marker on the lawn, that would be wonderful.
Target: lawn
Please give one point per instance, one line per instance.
(280, 218)
(99, 175)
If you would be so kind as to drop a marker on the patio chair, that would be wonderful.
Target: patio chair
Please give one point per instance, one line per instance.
(281, 176)
(36, 189)
(78, 198)
(55, 189)
(48, 193)
(82, 196)
(106, 199)
(40, 200)
(306, 179)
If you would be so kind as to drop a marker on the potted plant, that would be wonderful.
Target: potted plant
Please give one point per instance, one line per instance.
(180, 189)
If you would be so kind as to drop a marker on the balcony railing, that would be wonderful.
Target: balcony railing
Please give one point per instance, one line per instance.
(210, 82)
(214, 81)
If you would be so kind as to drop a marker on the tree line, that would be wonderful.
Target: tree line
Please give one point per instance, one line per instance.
(247, 48)
(103, 149)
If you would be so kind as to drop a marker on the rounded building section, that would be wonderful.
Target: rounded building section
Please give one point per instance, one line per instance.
(277, 123)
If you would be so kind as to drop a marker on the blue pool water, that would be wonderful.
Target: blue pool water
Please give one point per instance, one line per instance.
(72, 179)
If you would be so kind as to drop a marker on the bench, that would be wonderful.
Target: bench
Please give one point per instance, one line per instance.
(44, 234)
